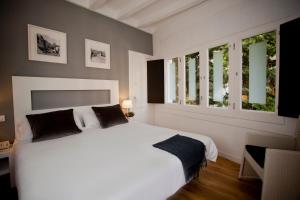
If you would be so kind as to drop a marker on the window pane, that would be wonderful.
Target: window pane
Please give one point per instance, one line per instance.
(218, 76)
(173, 80)
(192, 88)
(259, 72)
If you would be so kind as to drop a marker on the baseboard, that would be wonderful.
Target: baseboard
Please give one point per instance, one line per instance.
(249, 178)
(230, 157)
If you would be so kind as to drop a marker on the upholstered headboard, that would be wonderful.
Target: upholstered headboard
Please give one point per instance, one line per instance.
(24, 86)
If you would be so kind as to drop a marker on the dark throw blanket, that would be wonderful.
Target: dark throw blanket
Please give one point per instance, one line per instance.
(191, 152)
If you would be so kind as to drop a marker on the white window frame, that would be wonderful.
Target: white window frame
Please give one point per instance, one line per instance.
(184, 78)
(219, 43)
(240, 63)
(257, 114)
(166, 69)
(234, 110)
(168, 81)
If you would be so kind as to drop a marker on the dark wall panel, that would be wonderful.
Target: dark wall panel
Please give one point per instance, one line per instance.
(79, 23)
(289, 71)
(155, 81)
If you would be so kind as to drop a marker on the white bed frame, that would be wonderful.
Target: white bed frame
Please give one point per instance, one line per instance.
(22, 87)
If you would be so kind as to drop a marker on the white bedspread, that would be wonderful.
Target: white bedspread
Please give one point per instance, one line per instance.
(102, 164)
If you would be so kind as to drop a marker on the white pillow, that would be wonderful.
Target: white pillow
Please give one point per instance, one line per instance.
(78, 119)
(23, 132)
(90, 119)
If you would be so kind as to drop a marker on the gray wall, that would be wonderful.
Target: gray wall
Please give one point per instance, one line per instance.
(79, 24)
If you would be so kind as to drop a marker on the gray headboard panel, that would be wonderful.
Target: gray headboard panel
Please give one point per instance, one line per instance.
(47, 99)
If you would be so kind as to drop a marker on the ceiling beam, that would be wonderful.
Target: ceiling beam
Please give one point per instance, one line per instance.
(97, 4)
(137, 8)
(163, 16)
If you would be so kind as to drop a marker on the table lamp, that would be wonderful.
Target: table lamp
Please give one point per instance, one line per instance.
(127, 104)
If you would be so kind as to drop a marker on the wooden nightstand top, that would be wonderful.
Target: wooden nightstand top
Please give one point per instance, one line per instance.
(4, 153)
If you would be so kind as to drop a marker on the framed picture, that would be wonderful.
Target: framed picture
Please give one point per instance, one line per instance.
(46, 45)
(97, 54)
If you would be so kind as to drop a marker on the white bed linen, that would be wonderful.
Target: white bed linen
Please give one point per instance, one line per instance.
(106, 164)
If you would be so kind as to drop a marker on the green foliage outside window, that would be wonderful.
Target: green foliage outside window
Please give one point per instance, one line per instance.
(270, 38)
(187, 59)
(224, 48)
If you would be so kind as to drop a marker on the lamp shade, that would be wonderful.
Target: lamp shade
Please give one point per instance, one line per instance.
(127, 103)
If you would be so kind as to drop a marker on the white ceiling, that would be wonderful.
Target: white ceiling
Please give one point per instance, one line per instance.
(142, 14)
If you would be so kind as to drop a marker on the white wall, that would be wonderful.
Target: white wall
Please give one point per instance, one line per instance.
(215, 22)
(144, 112)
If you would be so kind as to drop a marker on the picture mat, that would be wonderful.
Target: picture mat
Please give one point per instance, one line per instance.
(32, 45)
(98, 46)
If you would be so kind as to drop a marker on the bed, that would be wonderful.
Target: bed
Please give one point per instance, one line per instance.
(113, 163)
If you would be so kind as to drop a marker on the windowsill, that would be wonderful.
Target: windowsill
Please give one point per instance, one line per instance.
(172, 103)
(191, 105)
(220, 108)
(256, 111)
(258, 116)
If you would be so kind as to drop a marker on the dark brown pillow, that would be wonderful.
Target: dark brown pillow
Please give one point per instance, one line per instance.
(110, 115)
(52, 125)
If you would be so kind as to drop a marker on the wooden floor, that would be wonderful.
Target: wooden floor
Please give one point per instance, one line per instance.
(219, 181)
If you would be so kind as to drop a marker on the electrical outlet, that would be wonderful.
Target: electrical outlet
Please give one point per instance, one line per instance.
(2, 118)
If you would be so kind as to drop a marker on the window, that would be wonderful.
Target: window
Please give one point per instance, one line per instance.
(259, 72)
(218, 76)
(192, 87)
(173, 85)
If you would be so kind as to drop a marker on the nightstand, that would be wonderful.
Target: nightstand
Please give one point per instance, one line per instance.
(4, 161)
(5, 176)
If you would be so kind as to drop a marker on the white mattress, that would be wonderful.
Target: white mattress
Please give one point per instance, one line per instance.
(105, 164)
